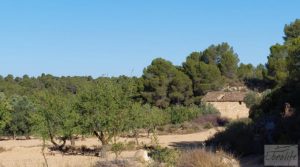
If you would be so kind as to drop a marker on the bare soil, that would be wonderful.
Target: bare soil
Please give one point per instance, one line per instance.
(27, 153)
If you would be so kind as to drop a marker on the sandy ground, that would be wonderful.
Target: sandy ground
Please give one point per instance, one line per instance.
(27, 153)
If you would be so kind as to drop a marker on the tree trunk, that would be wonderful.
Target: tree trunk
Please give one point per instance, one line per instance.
(72, 139)
(43, 153)
(52, 139)
(149, 130)
(56, 145)
(60, 147)
(27, 137)
(104, 141)
(136, 135)
(102, 137)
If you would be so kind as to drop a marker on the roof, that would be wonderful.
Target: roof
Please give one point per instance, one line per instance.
(221, 96)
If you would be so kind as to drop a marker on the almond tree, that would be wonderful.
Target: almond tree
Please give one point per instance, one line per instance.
(56, 118)
(104, 109)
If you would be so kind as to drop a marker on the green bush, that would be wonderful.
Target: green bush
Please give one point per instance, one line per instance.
(117, 149)
(164, 155)
(131, 145)
(180, 114)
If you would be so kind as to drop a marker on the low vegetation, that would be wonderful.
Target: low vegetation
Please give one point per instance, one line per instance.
(200, 157)
(167, 156)
(192, 158)
(237, 138)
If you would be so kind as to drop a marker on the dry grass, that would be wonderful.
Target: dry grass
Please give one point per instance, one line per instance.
(202, 158)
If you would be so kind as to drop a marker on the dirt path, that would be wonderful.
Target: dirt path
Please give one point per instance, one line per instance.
(28, 152)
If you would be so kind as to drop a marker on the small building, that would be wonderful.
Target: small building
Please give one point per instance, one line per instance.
(230, 104)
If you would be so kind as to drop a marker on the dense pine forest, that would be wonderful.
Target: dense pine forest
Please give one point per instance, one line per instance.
(66, 107)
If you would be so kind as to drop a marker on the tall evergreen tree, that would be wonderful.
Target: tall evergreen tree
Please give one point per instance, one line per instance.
(205, 77)
(164, 84)
(224, 57)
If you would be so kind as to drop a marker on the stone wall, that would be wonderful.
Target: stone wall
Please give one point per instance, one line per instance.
(232, 110)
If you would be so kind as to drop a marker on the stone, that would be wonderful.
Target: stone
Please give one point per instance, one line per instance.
(142, 155)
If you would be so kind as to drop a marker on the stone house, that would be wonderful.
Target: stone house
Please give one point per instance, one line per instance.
(230, 104)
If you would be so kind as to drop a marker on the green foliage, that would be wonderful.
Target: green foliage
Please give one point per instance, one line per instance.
(294, 59)
(55, 116)
(155, 117)
(117, 149)
(180, 114)
(260, 72)
(292, 30)
(136, 116)
(211, 78)
(251, 99)
(246, 71)
(208, 69)
(229, 64)
(224, 57)
(205, 77)
(103, 109)
(283, 62)
(165, 155)
(21, 110)
(164, 84)
(5, 115)
(277, 64)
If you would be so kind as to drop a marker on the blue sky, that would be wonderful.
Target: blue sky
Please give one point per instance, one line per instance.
(117, 37)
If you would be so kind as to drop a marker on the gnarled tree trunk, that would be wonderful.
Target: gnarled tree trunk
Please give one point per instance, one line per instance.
(102, 137)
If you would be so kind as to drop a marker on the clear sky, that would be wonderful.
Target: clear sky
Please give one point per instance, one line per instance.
(116, 37)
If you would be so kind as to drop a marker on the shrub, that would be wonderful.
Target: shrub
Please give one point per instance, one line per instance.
(179, 114)
(131, 145)
(208, 109)
(164, 155)
(252, 99)
(117, 149)
(211, 119)
(238, 137)
(200, 157)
